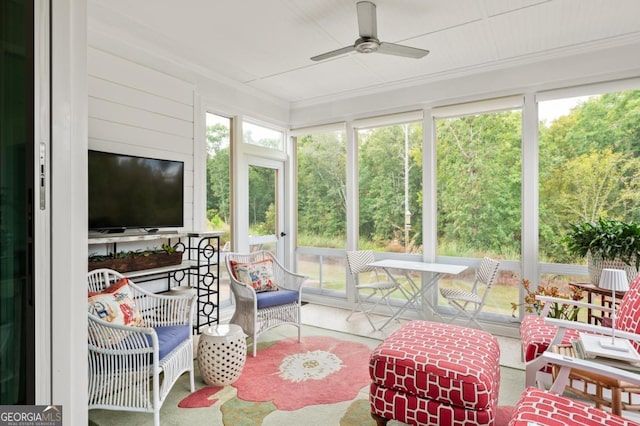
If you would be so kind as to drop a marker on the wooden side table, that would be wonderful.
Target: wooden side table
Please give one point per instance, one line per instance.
(591, 385)
(603, 297)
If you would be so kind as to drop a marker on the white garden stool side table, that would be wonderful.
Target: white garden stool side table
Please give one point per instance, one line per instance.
(222, 352)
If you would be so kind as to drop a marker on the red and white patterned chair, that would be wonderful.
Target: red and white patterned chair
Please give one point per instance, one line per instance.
(539, 407)
(538, 333)
(435, 374)
(550, 408)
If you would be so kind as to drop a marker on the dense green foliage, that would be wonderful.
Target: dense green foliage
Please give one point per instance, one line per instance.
(262, 198)
(322, 205)
(382, 174)
(479, 163)
(218, 180)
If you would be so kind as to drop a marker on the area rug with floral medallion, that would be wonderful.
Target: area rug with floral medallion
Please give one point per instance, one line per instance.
(292, 380)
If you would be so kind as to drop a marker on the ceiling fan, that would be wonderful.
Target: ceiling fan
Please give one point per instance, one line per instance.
(368, 41)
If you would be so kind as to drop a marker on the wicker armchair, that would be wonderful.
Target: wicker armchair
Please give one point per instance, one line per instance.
(133, 368)
(259, 311)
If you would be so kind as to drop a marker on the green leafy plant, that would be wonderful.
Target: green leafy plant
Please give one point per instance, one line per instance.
(607, 239)
(166, 248)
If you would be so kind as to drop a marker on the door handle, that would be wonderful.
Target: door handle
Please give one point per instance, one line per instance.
(42, 182)
(283, 234)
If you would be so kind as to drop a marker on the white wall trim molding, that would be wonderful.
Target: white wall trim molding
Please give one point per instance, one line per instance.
(327, 128)
(388, 120)
(589, 89)
(69, 209)
(479, 107)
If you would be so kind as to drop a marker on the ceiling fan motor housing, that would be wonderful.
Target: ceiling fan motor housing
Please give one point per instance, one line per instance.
(367, 44)
(368, 41)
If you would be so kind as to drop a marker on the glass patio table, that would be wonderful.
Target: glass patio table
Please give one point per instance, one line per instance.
(417, 292)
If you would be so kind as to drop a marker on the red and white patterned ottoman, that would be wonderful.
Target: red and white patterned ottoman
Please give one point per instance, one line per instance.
(539, 407)
(435, 374)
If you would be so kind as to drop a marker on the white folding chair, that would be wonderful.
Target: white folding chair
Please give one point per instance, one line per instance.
(380, 287)
(470, 303)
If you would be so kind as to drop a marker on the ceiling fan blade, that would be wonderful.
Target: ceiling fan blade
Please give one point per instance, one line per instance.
(367, 26)
(400, 50)
(333, 53)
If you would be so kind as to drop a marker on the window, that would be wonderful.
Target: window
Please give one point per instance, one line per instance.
(322, 190)
(254, 134)
(479, 195)
(263, 207)
(218, 181)
(321, 161)
(218, 215)
(589, 168)
(390, 188)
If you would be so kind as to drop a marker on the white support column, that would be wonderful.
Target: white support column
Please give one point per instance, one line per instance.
(353, 203)
(240, 185)
(429, 189)
(352, 188)
(199, 166)
(530, 186)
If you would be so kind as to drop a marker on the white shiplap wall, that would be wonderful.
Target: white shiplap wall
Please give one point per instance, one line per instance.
(137, 110)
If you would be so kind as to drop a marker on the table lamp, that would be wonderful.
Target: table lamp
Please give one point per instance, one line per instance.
(614, 280)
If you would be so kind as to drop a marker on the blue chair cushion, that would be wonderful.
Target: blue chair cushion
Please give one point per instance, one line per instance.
(267, 299)
(169, 337)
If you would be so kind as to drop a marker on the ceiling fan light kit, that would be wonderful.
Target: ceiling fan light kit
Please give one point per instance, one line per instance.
(368, 41)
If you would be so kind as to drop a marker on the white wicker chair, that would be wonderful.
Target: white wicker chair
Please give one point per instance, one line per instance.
(259, 312)
(126, 368)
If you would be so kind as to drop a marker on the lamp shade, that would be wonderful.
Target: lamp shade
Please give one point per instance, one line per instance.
(614, 280)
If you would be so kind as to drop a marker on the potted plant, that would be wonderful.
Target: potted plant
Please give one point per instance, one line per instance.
(558, 310)
(606, 243)
(125, 261)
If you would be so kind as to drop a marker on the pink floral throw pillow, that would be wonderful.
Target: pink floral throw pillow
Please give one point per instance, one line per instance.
(258, 275)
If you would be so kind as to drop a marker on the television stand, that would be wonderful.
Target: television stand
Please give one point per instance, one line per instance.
(200, 268)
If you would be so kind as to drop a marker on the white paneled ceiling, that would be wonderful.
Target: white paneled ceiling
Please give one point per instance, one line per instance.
(265, 45)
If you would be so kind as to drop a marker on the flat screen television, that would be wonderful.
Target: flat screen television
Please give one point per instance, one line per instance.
(126, 192)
